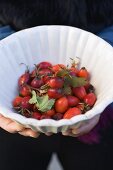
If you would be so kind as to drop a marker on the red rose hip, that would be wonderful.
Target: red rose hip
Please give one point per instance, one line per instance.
(72, 100)
(71, 113)
(37, 83)
(56, 82)
(24, 79)
(54, 93)
(61, 105)
(25, 103)
(24, 90)
(36, 115)
(17, 101)
(79, 92)
(44, 65)
(90, 99)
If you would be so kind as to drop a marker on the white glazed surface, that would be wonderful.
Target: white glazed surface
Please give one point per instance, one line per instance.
(56, 44)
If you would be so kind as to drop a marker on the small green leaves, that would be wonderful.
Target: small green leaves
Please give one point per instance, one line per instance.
(76, 81)
(62, 73)
(71, 80)
(43, 103)
(33, 100)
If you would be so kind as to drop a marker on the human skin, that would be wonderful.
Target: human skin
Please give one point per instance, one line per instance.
(82, 129)
(14, 127)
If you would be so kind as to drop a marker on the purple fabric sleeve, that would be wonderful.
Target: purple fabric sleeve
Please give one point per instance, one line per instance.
(106, 119)
(95, 136)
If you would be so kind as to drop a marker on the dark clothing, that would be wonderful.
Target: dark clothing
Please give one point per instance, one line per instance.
(25, 153)
(90, 15)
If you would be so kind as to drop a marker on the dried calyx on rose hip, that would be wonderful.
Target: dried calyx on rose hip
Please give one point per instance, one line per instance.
(54, 91)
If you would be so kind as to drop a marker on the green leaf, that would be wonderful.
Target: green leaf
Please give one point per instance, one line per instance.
(47, 106)
(62, 73)
(42, 103)
(33, 100)
(76, 81)
(42, 100)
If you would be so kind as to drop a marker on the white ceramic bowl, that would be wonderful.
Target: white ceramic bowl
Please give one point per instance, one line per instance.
(55, 44)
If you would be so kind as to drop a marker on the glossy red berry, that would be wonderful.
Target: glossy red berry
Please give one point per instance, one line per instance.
(58, 67)
(46, 79)
(17, 101)
(50, 112)
(57, 116)
(36, 115)
(71, 112)
(61, 105)
(83, 73)
(37, 82)
(25, 103)
(56, 82)
(24, 79)
(45, 72)
(79, 92)
(72, 100)
(44, 65)
(54, 93)
(90, 99)
(24, 90)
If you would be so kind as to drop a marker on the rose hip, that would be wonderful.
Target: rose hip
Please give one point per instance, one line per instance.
(71, 112)
(24, 79)
(57, 67)
(50, 112)
(54, 93)
(79, 92)
(45, 72)
(44, 65)
(61, 105)
(24, 90)
(25, 103)
(83, 73)
(90, 99)
(37, 82)
(56, 82)
(36, 115)
(57, 116)
(17, 101)
(72, 100)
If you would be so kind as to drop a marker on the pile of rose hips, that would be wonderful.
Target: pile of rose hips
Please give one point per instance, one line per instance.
(54, 92)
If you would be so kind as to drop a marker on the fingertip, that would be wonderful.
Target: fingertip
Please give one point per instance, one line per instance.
(48, 134)
(29, 133)
(15, 127)
(65, 133)
(34, 135)
(75, 132)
